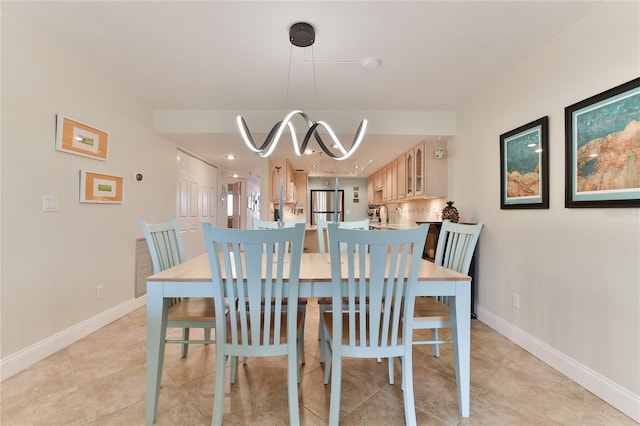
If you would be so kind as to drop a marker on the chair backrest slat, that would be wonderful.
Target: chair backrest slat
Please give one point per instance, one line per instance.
(255, 267)
(269, 224)
(165, 244)
(322, 227)
(456, 244)
(380, 268)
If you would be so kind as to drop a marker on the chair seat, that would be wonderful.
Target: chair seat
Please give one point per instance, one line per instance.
(193, 309)
(283, 330)
(329, 301)
(328, 319)
(430, 308)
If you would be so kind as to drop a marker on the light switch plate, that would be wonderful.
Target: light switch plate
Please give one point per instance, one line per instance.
(50, 203)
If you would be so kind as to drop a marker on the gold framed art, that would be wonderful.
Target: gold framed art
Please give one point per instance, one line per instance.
(100, 188)
(77, 138)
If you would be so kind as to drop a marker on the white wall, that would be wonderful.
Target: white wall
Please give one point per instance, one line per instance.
(52, 262)
(576, 270)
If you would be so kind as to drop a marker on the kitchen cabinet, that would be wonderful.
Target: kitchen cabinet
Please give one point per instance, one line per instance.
(418, 177)
(417, 173)
(401, 177)
(377, 178)
(408, 160)
(386, 193)
(392, 181)
(282, 170)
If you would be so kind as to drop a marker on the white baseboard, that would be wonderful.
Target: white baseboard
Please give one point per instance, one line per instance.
(605, 389)
(19, 361)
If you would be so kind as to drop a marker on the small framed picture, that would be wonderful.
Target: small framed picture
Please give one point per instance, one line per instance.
(77, 138)
(602, 149)
(524, 166)
(100, 188)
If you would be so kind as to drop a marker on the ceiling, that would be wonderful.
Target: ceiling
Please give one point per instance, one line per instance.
(235, 56)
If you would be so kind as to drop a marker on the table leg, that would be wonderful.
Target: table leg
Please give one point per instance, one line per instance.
(156, 327)
(461, 333)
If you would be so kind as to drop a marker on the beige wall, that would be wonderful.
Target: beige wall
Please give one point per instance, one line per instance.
(52, 262)
(576, 270)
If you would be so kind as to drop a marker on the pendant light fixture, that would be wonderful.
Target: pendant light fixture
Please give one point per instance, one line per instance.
(301, 35)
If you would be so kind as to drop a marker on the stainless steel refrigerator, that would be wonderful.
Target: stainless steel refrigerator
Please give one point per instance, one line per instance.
(323, 205)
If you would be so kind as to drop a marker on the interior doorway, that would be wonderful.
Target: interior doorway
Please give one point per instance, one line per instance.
(234, 205)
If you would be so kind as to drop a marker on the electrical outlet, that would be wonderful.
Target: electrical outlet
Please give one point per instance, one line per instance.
(516, 300)
(99, 292)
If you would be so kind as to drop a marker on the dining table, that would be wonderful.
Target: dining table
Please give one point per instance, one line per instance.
(193, 279)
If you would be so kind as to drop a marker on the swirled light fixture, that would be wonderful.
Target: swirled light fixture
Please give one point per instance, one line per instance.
(301, 35)
(272, 139)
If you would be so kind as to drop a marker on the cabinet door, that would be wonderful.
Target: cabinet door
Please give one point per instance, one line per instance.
(385, 185)
(394, 180)
(290, 182)
(418, 153)
(402, 177)
(409, 173)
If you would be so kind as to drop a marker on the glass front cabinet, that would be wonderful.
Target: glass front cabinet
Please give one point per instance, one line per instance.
(418, 155)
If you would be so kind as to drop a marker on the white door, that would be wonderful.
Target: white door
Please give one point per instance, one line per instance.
(195, 200)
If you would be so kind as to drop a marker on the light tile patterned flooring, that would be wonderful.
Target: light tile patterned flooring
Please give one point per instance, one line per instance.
(100, 380)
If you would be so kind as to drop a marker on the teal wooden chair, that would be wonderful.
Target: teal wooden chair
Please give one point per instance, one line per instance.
(255, 328)
(456, 244)
(381, 267)
(165, 247)
(302, 302)
(324, 303)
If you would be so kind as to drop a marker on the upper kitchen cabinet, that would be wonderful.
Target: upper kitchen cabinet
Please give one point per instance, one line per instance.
(418, 170)
(402, 177)
(409, 176)
(282, 171)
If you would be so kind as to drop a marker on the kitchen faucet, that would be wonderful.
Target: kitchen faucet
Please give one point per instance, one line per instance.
(384, 213)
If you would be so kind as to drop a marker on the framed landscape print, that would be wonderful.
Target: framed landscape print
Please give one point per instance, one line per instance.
(100, 188)
(81, 139)
(524, 166)
(602, 148)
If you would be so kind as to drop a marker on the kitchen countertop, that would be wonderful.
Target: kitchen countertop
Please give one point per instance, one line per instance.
(391, 226)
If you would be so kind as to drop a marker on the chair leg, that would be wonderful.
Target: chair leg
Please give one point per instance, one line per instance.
(303, 309)
(234, 368)
(328, 355)
(336, 382)
(390, 364)
(321, 333)
(407, 387)
(207, 334)
(185, 346)
(293, 378)
(436, 346)
(218, 396)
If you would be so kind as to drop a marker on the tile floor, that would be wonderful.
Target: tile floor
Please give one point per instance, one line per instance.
(100, 380)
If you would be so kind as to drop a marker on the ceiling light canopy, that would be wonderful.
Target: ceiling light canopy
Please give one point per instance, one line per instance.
(301, 34)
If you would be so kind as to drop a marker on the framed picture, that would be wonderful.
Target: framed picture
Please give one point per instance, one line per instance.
(77, 138)
(100, 188)
(602, 144)
(524, 166)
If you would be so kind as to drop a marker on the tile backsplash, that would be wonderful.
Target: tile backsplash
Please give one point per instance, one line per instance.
(408, 212)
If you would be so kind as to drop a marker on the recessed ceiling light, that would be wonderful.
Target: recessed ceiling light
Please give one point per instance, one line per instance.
(356, 167)
(309, 151)
(230, 157)
(235, 176)
(314, 166)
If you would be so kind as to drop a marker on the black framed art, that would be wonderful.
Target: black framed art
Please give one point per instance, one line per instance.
(602, 149)
(524, 166)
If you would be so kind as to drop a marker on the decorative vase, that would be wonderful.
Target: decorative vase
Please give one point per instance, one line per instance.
(450, 213)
